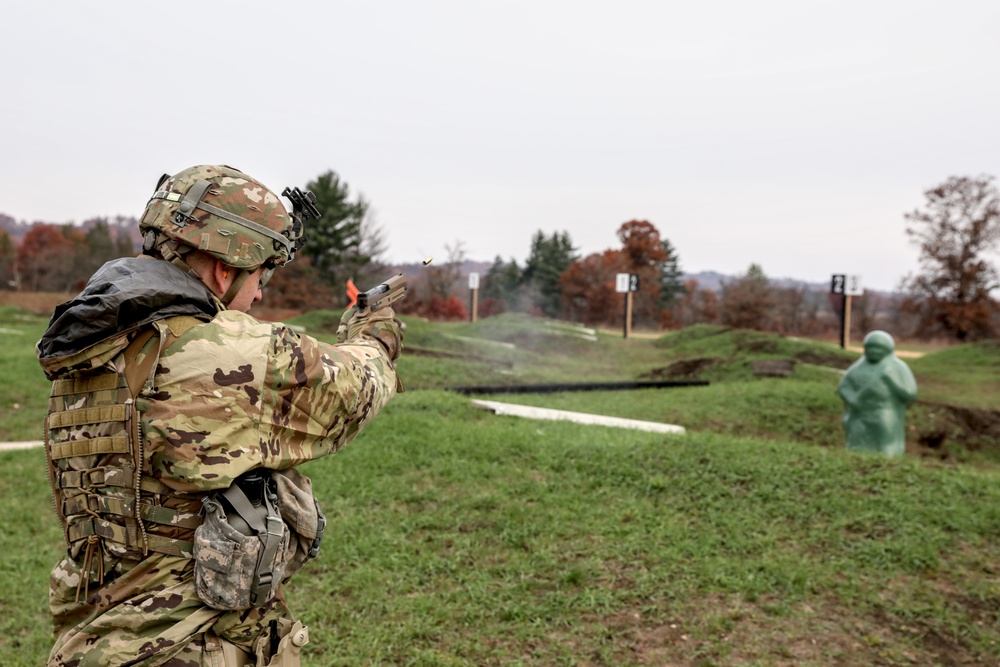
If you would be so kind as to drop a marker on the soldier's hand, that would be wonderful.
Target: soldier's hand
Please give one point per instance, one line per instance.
(344, 319)
(381, 325)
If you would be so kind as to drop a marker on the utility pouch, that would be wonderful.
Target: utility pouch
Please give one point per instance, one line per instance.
(300, 510)
(240, 546)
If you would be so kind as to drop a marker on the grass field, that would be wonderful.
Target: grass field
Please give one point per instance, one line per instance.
(458, 537)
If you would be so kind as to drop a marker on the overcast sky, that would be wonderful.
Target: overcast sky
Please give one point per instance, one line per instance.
(792, 134)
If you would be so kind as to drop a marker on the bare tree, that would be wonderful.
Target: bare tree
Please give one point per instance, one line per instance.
(443, 278)
(958, 228)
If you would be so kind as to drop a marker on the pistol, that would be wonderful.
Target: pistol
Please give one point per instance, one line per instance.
(386, 294)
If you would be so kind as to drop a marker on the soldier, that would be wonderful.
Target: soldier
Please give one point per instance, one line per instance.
(175, 422)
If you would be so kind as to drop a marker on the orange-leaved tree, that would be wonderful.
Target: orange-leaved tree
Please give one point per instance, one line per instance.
(588, 285)
(645, 254)
(588, 288)
(45, 259)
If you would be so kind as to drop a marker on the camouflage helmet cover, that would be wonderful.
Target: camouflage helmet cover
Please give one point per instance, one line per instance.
(225, 213)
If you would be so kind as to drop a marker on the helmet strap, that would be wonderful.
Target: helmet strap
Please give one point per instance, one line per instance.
(234, 289)
(172, 252)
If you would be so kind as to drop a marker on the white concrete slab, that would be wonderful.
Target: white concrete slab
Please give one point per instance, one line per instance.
(11, 446)
(578, 417)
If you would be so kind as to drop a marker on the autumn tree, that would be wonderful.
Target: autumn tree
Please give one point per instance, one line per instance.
(432, 293)
(645, 255)
(956, 231)
(697, 305)
(588, 285)
(748, 301)
(45, 259)
(588, 288)
(8, 266)
(790, 306)
(298, 286)
(334, 241)
(641, 243)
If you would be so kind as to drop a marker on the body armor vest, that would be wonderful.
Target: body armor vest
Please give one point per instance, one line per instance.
(108, 508)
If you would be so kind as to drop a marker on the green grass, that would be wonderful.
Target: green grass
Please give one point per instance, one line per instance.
(966, 375)
(768, 407)
(458, 537)
(24, 391)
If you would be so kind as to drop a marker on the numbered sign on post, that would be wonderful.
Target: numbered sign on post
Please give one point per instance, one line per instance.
(622, 282)
(853, 287)
(633, 283)
(473, 281)
(848, 285)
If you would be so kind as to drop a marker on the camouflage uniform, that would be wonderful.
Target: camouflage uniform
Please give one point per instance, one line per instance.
(229, 395)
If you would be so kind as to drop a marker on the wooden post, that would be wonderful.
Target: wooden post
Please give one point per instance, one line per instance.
(628, 314)
(847, 321)
(473, 296)
(625, 316)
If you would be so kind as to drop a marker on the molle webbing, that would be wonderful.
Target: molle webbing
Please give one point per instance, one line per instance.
(92, 424)
(95, 454)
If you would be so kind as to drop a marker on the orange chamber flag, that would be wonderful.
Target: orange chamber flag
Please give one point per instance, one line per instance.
(352, 293)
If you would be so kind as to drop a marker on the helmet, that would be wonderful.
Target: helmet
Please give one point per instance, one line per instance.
(221, 211)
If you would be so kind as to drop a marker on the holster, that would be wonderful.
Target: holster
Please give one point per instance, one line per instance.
(240, 549)
(282, 647)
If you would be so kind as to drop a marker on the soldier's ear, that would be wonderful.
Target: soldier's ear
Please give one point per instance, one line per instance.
(219, 277)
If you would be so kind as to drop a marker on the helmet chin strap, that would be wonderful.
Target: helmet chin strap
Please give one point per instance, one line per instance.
(234, 289)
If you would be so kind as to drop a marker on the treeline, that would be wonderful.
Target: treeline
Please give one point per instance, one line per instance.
(557, 282)
(950, 296)
(45, 257)
(554, 281)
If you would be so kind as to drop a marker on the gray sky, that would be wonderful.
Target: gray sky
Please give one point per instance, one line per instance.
(793, 134)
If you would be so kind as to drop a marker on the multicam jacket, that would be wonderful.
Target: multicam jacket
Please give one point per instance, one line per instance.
(228, 395)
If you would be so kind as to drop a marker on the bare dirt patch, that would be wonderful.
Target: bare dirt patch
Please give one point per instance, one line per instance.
(938, 426)
(685, 368)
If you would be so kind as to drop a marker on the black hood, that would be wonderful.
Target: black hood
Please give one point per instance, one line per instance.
(122, 295)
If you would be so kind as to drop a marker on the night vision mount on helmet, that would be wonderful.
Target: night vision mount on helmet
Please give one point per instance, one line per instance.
(227, 214)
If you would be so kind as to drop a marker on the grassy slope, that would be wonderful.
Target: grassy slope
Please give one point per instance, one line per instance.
(967, 375)
(458, 537)
(24, 391)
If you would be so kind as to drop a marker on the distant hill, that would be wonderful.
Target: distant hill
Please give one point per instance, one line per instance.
(713, 280)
